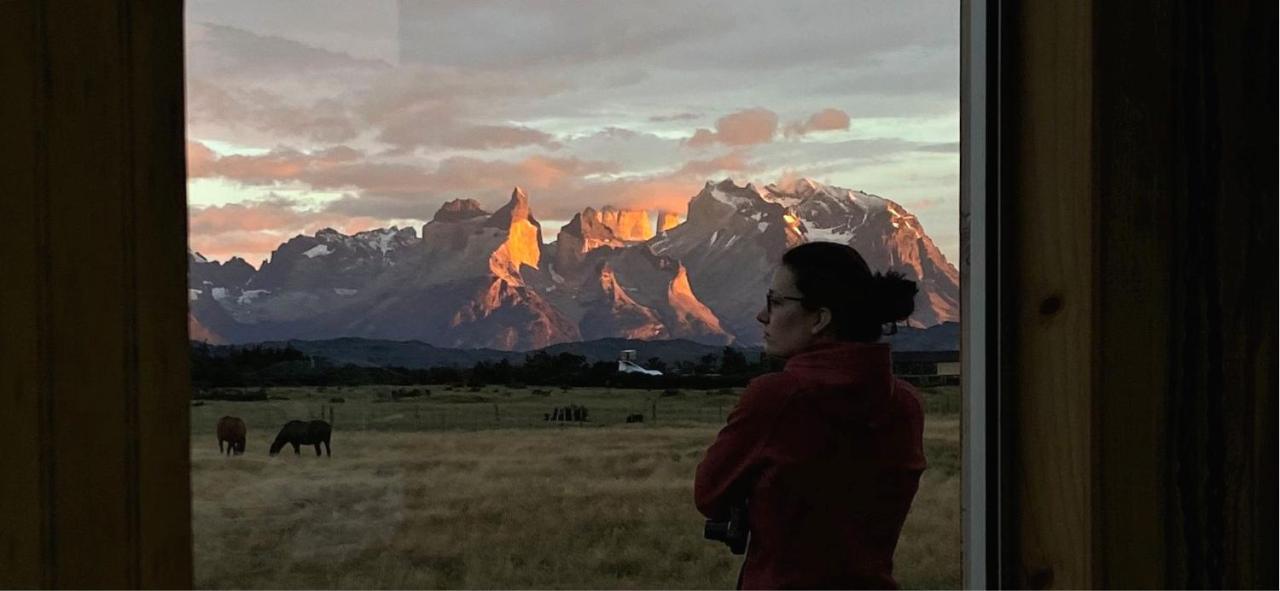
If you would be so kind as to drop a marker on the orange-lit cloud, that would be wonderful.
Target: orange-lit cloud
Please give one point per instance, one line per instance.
(824, 120)
(731, 162)
(252, 230)
(199, 160)
(744, 128)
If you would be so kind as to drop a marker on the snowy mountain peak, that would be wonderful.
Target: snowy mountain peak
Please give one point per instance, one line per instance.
(385, 240)
(711, 200)
(197, 257)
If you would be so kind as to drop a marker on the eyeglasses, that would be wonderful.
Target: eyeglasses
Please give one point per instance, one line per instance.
(771, 300)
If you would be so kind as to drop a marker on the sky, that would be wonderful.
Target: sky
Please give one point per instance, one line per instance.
(309, 114)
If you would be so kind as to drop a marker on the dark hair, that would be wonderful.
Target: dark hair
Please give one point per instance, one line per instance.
(834, 276)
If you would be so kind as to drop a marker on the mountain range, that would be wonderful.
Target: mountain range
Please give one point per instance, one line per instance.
(479, 279)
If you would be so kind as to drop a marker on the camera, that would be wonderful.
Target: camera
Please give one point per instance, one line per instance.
(733, 532)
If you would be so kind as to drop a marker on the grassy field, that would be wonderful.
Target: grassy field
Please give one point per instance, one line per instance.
(462, 489)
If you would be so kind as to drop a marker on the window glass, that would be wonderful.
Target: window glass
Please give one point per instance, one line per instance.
(504, 265)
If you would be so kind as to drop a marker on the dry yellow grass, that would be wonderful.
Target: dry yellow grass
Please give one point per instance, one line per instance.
(533, 508)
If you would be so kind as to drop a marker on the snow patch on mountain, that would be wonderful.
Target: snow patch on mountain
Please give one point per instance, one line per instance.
(318, 250)
(836, 234)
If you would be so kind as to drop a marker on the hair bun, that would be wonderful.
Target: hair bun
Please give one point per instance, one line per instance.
(893, 296)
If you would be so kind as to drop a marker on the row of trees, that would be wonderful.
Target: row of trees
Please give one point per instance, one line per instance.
(262, 366)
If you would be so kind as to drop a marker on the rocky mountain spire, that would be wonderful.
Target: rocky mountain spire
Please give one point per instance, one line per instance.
(458, 210)
(524, 234)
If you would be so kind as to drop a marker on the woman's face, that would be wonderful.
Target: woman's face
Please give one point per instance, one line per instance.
(788, 326)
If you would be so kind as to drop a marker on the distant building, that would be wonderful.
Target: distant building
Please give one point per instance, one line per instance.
(928, 368)
(627, 364)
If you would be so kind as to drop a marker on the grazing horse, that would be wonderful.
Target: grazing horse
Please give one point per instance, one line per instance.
(232, 431)
(299, 433)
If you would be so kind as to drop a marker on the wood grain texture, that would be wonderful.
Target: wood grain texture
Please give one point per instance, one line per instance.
(22, 533)
(89, 303)
(94, 360)
(1133, 155)
(1143, 357)
(159, 216)
(1049, 202)
(1223, 419)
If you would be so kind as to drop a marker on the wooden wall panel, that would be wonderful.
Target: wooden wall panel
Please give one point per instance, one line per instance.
(89, 306)
(1048, 199)
(159, 236)
(22, 392)
(1134, 196)
(1138, 176)
(1223, 400)
(94, 345)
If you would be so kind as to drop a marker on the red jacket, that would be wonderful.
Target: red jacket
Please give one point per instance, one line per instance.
(829, 453)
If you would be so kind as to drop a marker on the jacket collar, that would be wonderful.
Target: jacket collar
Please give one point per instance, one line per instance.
(860, 365)
(863, 371)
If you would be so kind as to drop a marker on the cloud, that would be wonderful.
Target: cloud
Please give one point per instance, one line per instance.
(388, 190)
(200, 160)
(674, 117)
(343, 168)
(744, 128)
(446, 133)
(543, 34)
(701, 138)
(279, 165)
(266, 114)
(230, 52)
(732, 162)
(824, 120)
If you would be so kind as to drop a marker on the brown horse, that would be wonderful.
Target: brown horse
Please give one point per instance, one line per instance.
(232, 431)
(299, 433)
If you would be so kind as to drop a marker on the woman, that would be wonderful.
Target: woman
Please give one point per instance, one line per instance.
(827, 453)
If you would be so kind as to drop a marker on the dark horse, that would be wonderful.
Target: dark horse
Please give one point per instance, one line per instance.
(232, 431)
(299, 433)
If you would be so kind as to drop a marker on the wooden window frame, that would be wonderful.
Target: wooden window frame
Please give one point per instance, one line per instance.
(1120, 366)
